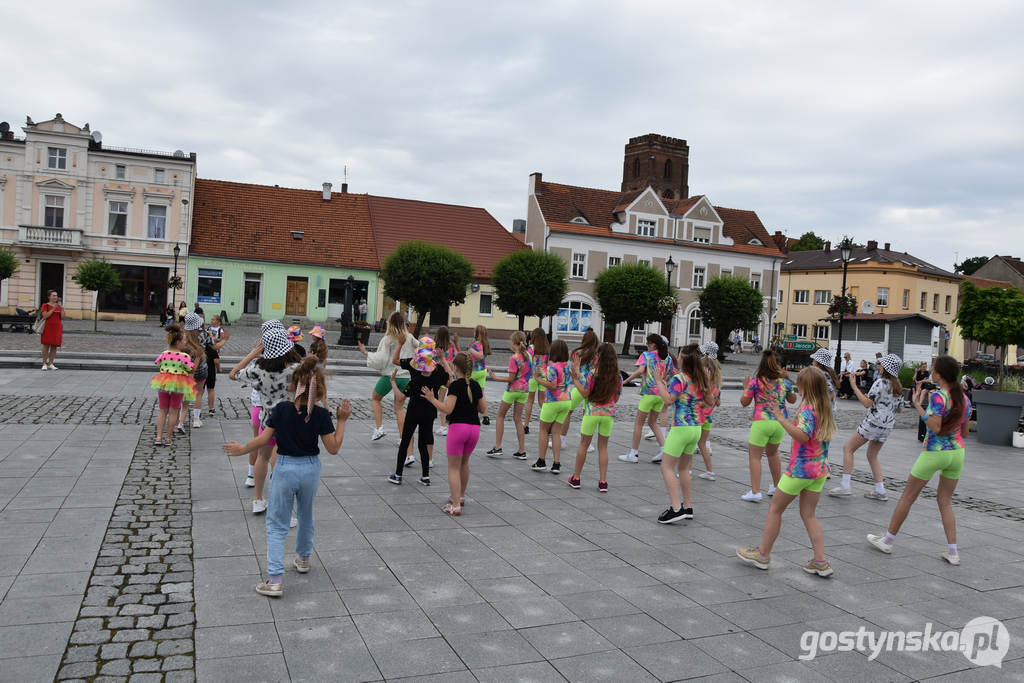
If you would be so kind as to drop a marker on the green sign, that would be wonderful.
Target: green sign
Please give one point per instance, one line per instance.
(798, 345)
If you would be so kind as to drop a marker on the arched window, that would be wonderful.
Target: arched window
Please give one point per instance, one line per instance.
(636, 167)
(668, 169)
(695, 325)
(668, 194)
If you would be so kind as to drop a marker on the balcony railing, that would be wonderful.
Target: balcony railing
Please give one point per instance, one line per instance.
(66, 238)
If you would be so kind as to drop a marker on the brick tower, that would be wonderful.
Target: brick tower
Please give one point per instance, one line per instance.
(659, 161)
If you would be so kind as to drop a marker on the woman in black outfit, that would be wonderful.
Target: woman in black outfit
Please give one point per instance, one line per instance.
(424, 372)
(921, 376)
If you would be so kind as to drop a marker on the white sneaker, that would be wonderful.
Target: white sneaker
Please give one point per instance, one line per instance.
(879, 542)
(52, 366)
(632, 456)
(710, 476)
(258, 505)
(378, 433)
(752, 497)
(656, 458)
(411, 460)
(196, 423)
(45, 367)
(841, 491)
(876, 495)
(294, 523)
(649, 435)
(250, 481)
(179, 428)
(771, 491)
(952, 559)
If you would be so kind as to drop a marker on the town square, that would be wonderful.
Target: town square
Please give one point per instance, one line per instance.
(512, 343)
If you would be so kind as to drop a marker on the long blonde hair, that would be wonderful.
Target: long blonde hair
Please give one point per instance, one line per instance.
(480, 334)
(192, 346)
(814, 390)
(588, 347)
(518, 342)
(396, 327)
(714, 370)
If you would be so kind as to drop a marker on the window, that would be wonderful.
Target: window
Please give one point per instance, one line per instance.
(644, 261)
(698, 277)
(636, 167)
(54, 211)
(157, 223)
(822, 297)
(949, 303)
(646, 228)
(726, 273)
(485, 303)
(120, 172)
(906, 299)
(668, 169)
(158, 175)
(779, 328)
(799, 330)
(883, 297)
(935, 303)
(924, 301)
(209, 286)
(800, 296)
(579, 265)
(614, 261)
(56, 157)
(117, 218)
(702, 235)
(574, 316)
(755, 282)
(781, 296)
(821, 332)
(694, 323)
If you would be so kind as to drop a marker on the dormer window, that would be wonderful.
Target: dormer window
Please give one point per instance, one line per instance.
(756, 242)
(56, 157)
(702, 235)
(579, 220)
(646, 227)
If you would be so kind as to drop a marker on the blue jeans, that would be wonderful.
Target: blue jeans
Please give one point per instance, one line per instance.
(295, 482)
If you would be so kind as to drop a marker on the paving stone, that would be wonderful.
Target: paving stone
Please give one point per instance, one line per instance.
(81, 653)
(114, 651)
(77, 670)
(118, 667)
(90, 637)
(143, 665)
(174, 647)
(178, 662)
(130, 634)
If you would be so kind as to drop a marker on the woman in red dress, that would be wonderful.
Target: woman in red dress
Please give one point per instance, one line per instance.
(53, 331)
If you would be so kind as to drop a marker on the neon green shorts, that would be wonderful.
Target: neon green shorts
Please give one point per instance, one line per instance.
(764, 432)
(383, 385)
(601, 423)
(682, 439)
(793, 486)
(576, 399)
(706, 426)
(514, 397)
(650, 403)
(534, 386)
(555, 411)
(480, 376)
(948, 464)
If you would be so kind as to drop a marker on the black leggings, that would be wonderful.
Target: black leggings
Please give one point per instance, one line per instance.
(417, 416)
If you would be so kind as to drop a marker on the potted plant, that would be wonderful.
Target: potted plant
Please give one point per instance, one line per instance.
(362, 331)
(994, 317)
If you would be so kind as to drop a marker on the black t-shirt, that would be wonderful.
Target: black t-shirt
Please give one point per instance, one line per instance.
(417, 380)
(465, 411)
(294, 435)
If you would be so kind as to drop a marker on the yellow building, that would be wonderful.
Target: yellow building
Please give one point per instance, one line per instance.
(883, 282)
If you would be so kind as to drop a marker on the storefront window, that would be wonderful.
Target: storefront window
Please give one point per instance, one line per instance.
(209, 286)
(143, 290)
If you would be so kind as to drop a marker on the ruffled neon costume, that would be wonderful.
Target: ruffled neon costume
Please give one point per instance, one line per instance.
(175, 374)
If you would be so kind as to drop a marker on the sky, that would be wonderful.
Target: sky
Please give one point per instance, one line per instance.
(898, 122)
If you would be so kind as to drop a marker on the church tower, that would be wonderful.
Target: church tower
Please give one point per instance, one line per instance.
(658, 161)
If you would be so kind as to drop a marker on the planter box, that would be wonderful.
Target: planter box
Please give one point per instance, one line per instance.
(998, 415)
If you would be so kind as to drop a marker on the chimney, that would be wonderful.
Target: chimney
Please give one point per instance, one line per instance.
(872, 245)
(519, 226)
(888, 246)
(535, 180)
(344, 188)
(327, 192)
(828, 247)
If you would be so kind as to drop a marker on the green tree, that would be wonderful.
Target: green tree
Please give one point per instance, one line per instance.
(426, 276)
(630, 293)
(993, 316)
(96, 275)
(8, 263)
(969, 265)
(528, 282)
(808, 242)
(730, 303)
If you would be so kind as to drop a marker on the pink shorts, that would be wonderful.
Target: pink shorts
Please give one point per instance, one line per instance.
(169, 400)
(254, 415)
(462, 439)
(272, 442)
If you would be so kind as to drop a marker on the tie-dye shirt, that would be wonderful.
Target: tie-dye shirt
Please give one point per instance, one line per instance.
(558, 374)
(449, 353)
(606, 409)
(808, 460)
(538, 361)
(478, 364)
(705, 410)
(650, 361)
(687, 409)
(519, 372)
(941, 403)
(765, 393)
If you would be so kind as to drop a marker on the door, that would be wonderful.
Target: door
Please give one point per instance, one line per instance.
(295, 296)
(251, 295)
(51, 276)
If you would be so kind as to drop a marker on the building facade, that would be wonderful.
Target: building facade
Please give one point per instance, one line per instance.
(884, 282)
(593, 229)
(66, 197)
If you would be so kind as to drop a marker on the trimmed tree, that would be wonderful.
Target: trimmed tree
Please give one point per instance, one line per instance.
(808, 242)
(992, 316)
(96, 275)
(528, 282)
(630, 293)
(730, 303)
(8, 263)
(426, 276)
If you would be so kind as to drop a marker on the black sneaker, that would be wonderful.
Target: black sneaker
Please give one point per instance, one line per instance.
(670, 515)
(485, 420)
(556, 467)
(687, 513)
(494, 452)
(425, 481)
(526, 429)
(521, 455)
(540, 466)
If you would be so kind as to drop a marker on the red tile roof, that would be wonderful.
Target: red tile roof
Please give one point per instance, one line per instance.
(243, 221)
(472, 231)
(598, 231)
(985, 283)
(562, 203)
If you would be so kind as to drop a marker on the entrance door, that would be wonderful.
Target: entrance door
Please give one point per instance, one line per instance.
(251, 302)
(51, 276)
(295, 296)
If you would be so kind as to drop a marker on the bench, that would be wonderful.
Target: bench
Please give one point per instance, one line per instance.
(16, 322)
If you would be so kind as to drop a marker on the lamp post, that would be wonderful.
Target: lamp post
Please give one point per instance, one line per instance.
(670, 266)
(174, 290)
(845, 249)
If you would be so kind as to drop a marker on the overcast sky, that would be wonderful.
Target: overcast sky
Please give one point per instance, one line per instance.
(900, 122)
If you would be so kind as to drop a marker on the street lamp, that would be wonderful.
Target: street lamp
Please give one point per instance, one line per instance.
(845, 249)
(670, 266)
(174, 290)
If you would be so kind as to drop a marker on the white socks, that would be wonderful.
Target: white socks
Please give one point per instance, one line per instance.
(196, 412)
(952, 549)
(846, 481)
(879, 487)
(252, 470)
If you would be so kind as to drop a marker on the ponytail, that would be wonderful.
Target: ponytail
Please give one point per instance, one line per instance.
(464, 364)
(659, 341)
